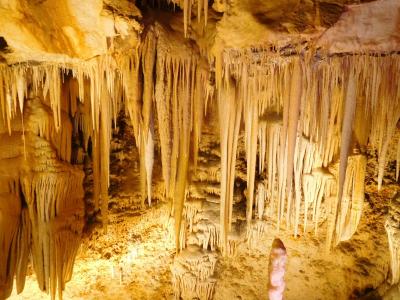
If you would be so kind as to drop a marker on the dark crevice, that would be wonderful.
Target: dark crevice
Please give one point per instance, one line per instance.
(3, 44)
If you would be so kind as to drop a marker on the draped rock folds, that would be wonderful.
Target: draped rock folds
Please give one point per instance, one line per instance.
(41, 207)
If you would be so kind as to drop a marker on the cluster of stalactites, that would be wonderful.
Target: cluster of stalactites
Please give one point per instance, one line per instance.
(307, 113)
(187, 5)
(88, 91)
(41, 203)
(92, 91)
(178, 92)
(181, 91)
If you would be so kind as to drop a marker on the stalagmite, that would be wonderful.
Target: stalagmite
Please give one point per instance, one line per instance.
(192, 274)
(277, 268)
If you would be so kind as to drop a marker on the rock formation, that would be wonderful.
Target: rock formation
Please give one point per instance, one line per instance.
(294, 95)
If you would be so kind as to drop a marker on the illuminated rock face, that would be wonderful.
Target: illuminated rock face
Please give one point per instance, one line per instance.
(299, 104)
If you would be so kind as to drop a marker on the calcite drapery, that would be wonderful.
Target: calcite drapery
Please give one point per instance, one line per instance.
(41, 203)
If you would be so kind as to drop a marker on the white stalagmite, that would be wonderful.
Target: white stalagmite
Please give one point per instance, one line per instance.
(277, 268)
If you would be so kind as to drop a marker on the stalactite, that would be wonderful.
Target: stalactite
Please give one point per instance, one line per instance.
(53, 191)
(149, 160)
(179, 79)
(230, 110)
(10, 217)
(333, 89)
(353, 198)
(383, 94)
(54, 194)
(104, 143)
(202, 8)
(315, 187)
(251, 128)
(96, 169)
(45, 127)
(184, 108)
(293, 118)
(302, 130)
(349, 111)
(201, 95)
(23, 248)
(148, 55)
